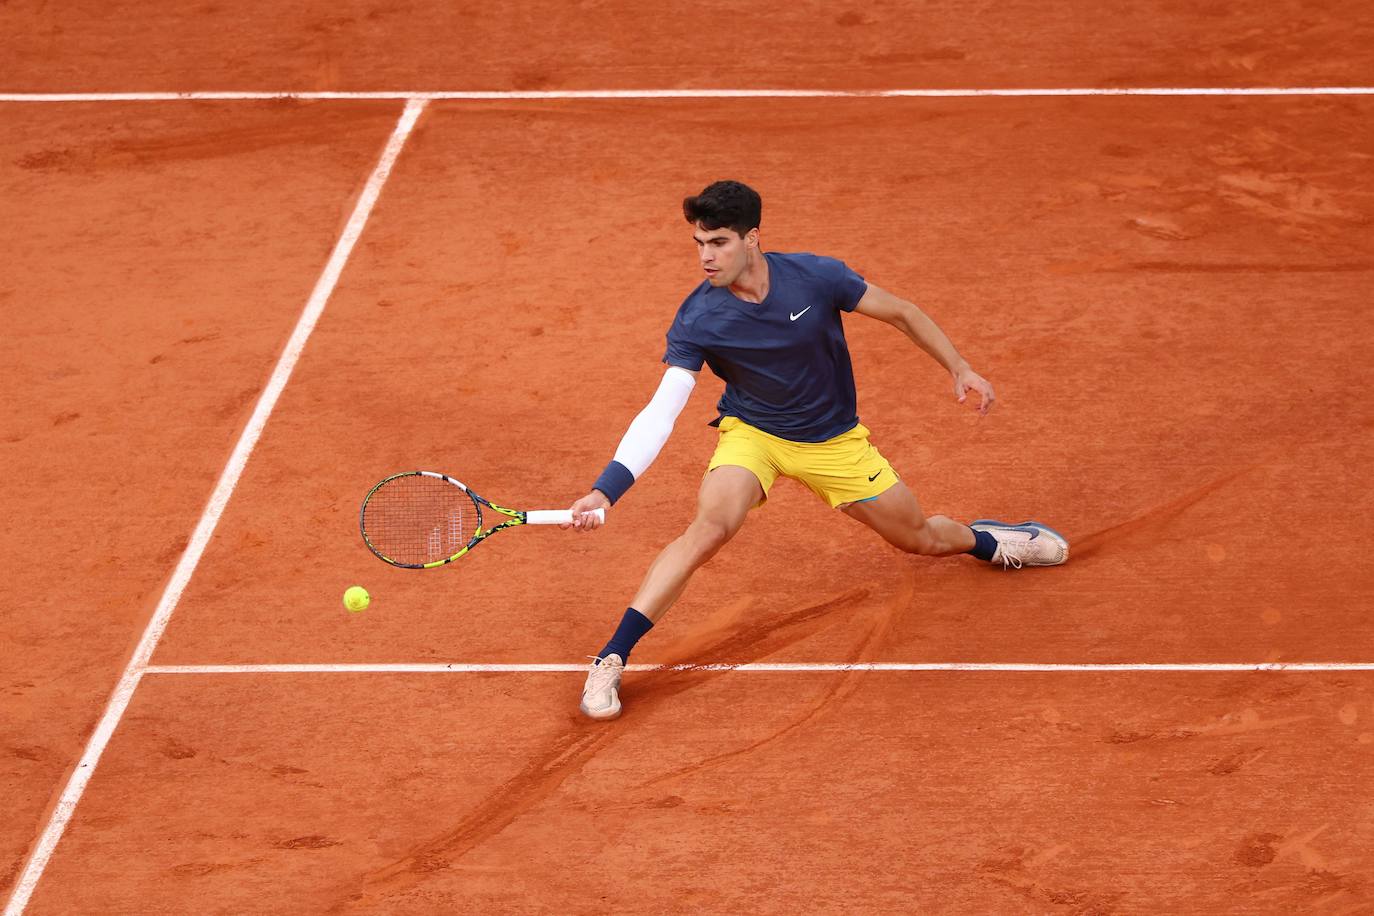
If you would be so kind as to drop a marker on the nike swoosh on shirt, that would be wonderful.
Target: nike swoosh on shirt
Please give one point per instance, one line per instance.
(799, 314)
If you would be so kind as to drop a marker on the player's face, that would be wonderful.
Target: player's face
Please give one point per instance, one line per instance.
(724, 253)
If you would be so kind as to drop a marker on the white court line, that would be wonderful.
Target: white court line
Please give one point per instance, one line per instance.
(138, 664)
(456, 668)
(545, 95)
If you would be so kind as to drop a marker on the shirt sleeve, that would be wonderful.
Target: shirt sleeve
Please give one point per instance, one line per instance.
(848, 287)
(682, 350)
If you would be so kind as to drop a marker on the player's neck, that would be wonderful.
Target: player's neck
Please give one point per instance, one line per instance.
(752, 285)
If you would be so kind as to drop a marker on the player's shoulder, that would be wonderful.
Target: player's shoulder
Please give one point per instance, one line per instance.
(695, 305)
(818, 266)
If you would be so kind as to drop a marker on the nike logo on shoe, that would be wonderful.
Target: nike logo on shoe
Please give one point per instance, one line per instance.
(799, 314)
(1023, 544)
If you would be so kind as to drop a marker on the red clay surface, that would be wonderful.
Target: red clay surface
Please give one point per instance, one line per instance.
(1170, 295)
(1066, 793)
(156, 258)
(384, 45)
(1147, 299)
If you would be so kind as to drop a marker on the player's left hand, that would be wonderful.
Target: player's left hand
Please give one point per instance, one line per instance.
(966, 380)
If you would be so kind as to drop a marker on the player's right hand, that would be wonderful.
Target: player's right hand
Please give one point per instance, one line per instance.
(584, 511)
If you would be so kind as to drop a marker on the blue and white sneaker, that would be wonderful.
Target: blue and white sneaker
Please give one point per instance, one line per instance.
(1026, 544)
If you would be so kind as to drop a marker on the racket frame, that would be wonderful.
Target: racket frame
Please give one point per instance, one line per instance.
(513, 518)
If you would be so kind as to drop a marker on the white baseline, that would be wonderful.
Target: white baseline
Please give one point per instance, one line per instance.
(544, 95)
(461, 668)
(219, 498)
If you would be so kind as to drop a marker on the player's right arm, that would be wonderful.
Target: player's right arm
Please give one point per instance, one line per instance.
(638, 448)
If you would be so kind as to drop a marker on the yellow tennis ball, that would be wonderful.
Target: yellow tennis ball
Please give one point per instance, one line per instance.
(357, 599)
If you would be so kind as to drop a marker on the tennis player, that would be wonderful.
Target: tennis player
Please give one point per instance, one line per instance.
(769, 325)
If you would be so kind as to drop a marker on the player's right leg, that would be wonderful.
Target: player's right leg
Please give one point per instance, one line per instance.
(727, 494)
(725, 498)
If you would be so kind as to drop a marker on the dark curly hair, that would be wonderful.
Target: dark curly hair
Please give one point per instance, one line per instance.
(729, 204)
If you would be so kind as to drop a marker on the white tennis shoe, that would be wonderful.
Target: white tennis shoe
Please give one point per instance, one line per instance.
(601, 692)
(1026, 544)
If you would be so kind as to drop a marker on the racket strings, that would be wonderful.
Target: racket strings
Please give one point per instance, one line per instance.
(416, 519)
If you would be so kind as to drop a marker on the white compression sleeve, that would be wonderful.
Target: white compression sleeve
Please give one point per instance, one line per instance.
(648, 431)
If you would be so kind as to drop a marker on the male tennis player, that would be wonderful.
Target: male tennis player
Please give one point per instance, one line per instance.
(769, 325)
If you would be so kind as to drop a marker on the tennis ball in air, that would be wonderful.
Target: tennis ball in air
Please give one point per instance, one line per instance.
(357, 599)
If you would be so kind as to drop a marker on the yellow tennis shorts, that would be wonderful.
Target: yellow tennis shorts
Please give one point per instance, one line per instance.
(845, 469)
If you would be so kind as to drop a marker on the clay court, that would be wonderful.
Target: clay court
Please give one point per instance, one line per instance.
(259, 256)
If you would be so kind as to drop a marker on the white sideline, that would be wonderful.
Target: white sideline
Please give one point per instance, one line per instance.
(138, 664)
(440, 667)
(459, 95)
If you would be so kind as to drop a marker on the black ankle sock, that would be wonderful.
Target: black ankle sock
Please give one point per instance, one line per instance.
(985, 545)
(632, 627)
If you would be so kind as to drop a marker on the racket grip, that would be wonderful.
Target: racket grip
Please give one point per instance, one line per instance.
(557, 516)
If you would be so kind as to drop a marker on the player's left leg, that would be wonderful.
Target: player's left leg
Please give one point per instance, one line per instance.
(897, 517)
(850, 474)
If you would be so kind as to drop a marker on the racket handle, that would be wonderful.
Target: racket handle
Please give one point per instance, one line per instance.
(557, 516)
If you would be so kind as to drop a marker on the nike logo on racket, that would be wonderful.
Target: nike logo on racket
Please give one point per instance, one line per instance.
(799, 314)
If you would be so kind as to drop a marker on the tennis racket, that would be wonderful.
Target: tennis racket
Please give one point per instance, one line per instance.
(422, 519)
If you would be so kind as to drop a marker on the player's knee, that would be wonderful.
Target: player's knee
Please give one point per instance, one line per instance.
(709, 535)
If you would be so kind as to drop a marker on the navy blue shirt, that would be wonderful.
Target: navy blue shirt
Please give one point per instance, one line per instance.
(784, 360)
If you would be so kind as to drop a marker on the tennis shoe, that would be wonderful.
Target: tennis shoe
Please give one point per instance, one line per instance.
(601, 692)
(1026, 544)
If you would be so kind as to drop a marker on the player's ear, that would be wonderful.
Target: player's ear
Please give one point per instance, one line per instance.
(751, 238)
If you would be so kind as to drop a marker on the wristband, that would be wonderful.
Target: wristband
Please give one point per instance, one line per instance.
(614, 481)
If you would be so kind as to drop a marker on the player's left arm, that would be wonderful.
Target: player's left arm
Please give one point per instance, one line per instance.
(908, 318)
